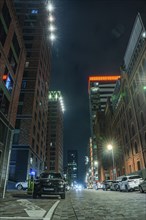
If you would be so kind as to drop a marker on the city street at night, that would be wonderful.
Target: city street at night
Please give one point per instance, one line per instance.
(85, 204)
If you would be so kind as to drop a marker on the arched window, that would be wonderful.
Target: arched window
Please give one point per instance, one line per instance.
(145, 137)
(140, 73)
(136, 147)
(130, 113)
(132, 130)
(124, 125)
(142, 119)
(138, 100)
(144, 65)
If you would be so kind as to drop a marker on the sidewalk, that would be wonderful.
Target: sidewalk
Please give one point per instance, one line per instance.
(14, 194)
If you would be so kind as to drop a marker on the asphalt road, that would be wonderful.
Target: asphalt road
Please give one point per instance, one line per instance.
(81, 205)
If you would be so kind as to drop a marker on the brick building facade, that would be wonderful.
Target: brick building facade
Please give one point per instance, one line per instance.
(29, 143)
(12, 61)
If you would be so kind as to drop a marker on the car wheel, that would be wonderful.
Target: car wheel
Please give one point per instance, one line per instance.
(62, 196)
(141, 189)
(19, 187)
(120, 189)
(126, 188)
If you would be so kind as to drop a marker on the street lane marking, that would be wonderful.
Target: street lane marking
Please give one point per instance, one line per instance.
(31, 209)
(49, 214)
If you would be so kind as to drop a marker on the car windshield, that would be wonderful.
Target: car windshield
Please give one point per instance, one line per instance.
(51, 175)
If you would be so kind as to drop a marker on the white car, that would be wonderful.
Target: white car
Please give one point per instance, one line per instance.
(130, 183)
(99, 186)
(21, 185)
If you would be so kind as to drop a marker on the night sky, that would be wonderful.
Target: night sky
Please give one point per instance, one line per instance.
(92, 36)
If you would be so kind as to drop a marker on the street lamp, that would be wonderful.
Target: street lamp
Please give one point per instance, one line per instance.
(110, 148)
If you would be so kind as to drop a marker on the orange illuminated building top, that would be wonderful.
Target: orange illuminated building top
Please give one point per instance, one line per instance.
(102, 79)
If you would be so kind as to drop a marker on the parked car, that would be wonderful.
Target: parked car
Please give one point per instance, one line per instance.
(130, 183)
(49, 183)
(107, 184)
(21, 185)
(115, 185)
(99, 186)
(142, 186)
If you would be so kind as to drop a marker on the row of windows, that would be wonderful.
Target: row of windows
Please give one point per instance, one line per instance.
(138, 167)
(132, 130)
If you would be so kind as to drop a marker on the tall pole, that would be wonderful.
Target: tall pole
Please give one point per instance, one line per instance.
(114, 174)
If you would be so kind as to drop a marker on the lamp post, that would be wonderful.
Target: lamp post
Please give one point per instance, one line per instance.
(110, 148)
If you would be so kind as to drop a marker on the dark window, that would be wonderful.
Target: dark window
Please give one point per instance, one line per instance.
(3, 132)
(28, 46)
(12, 60)
(130, 169)
(138, 165)
(21, 98)
(16, 138)
(34, 130)
(130, 113)
(23, 85)
(6, 15)
(2, 33)
(37, 149)
(138, 100)
(142, 119)
(19, 110)
(4, 103)
(136, 148)
(145, 137)
(33, 143)
(144, 64)
(28, 37)
(132, 130)
(17, 125)
(16, 45)
(38, 137)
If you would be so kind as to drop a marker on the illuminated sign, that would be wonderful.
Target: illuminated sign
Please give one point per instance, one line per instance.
(103, 78)
(5, 77)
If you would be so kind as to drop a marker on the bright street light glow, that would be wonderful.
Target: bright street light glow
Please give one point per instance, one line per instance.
(144, 34)
(109, 147)
(50, 7)
(52, 37)
(95, 163)
(52, 28)
(51, 18)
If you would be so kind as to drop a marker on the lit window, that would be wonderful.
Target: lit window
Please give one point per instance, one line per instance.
(9, 83)
(34, 11)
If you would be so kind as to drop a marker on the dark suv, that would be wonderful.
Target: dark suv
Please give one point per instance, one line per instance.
(49, 183)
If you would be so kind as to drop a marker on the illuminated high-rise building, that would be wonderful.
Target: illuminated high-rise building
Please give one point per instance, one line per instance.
(72, 166)
(54, 149)
(100, 89)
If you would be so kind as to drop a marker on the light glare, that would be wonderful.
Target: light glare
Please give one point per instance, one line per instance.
(52, 37)
(50, 7)
(52, 28)
(51, 18)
